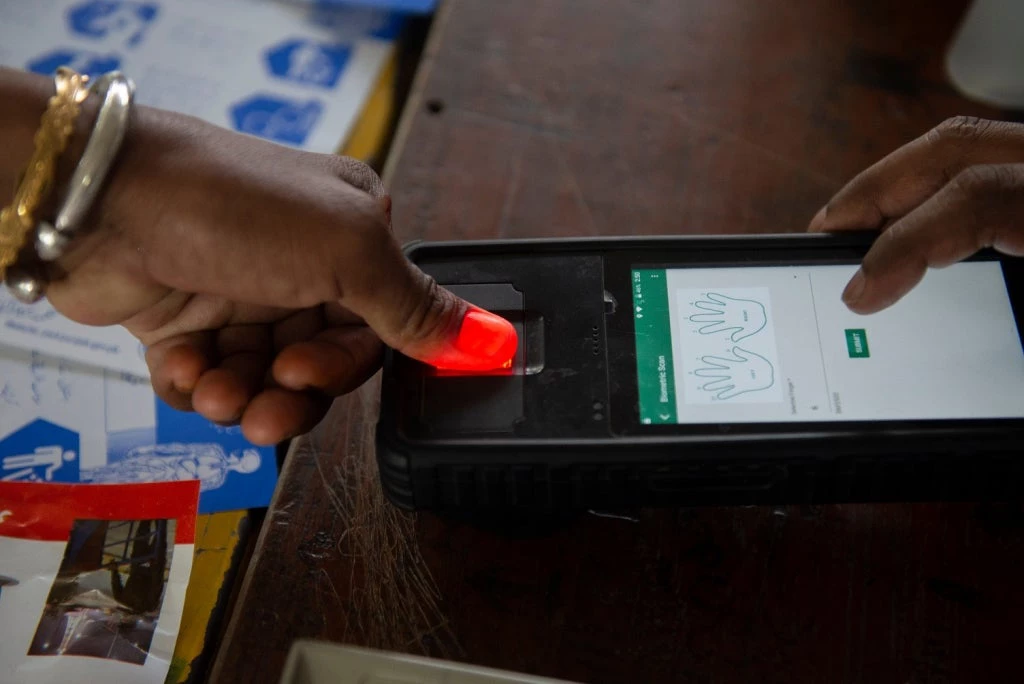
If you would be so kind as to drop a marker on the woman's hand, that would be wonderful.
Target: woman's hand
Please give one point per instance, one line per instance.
(939, 199)
(261, 279)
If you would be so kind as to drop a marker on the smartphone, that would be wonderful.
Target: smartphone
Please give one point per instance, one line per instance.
(714, 371)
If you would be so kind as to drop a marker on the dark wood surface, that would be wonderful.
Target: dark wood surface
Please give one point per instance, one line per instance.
(562, 117)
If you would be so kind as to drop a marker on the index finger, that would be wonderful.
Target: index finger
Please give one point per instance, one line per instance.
(903, 180)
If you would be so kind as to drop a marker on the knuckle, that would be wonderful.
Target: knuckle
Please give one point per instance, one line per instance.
(959, 130)
(429, 314)
(989, 195)
(971, 182)
(363, 249)
(356, 173)
(370, 229)
(993, 183)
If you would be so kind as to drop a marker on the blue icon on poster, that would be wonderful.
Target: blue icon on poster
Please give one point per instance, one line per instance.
(40, 452)
(118, 20)
(308, 62)
(91, 64)
(276, 118)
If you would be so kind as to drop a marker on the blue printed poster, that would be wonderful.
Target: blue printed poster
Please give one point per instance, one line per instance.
(295, 73)
(64, 421)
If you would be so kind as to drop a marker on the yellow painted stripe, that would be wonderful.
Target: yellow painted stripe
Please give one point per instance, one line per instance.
(216, 546)
(371, 130)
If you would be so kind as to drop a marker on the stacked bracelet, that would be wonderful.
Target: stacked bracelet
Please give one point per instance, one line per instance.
(117, 92)
(18, 220)
(27, 282)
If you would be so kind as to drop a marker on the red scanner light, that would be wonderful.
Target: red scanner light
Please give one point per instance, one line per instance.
(485, 342)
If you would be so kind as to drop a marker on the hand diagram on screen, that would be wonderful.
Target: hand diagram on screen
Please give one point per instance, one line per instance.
(728, 378)
(741, 317)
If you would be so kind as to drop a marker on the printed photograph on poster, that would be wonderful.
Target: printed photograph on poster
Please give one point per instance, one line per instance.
(106, 598)
(93, 580)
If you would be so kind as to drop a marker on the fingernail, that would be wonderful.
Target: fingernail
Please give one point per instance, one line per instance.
(485, 342)
(818, 222)
(486, 336)
(855, 288)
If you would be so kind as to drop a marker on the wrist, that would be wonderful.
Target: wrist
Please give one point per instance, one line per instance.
(152, 165)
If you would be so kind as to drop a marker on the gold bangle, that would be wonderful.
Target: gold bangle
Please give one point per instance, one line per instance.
(55, 129)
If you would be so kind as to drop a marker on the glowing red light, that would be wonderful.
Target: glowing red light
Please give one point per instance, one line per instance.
(485, 342)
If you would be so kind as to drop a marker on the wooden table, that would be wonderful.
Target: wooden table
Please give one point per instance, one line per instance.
(604, 117)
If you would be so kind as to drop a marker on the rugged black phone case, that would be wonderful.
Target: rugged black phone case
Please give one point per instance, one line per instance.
(536, 475)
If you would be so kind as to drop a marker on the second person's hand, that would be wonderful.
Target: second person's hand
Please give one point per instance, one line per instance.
(939, 199)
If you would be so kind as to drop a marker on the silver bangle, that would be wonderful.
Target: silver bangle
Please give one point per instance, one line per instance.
(28, 282)
(108, 134)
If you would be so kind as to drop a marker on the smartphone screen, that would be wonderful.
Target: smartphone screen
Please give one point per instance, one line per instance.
(777, 344)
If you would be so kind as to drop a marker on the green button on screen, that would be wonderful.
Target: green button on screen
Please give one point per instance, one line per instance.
(857, 343)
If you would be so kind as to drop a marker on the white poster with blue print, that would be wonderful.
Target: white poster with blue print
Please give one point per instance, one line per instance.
(409, 6)
(64, 421)
(296, 74)
(41, 328)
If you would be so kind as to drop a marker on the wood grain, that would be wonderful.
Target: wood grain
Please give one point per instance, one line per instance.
(600, 117)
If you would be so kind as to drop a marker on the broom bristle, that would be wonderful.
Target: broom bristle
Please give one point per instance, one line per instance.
(393, 600)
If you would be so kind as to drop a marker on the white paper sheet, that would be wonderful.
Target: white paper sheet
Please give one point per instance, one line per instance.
(40, 328)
